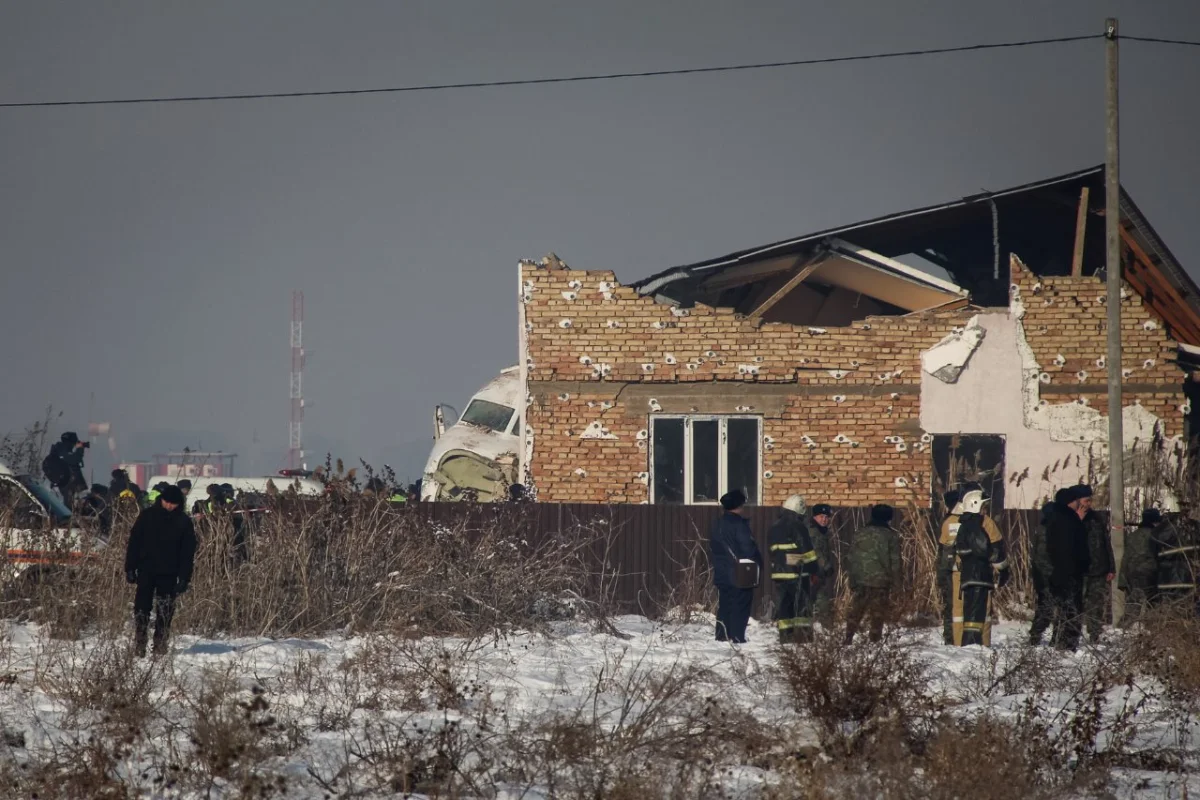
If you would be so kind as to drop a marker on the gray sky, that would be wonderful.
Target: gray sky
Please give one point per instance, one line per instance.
(149, 252)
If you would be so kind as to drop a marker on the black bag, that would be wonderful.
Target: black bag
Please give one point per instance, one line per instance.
(746, 574)
(55, 470)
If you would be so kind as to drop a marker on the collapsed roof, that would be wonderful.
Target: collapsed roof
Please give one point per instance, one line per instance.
(894, 264)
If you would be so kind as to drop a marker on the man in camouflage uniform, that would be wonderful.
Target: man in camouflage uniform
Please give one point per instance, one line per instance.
(825, 574)
(1102, 565)
(1139, 567)
(873, 568)
(793, 564)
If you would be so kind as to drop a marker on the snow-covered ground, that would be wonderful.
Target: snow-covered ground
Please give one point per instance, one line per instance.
(376, 715)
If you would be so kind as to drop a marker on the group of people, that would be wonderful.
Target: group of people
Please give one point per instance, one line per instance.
(802, 569)
(1073, 568)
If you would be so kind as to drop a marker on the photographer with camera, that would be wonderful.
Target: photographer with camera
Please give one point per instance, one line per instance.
(63, 467)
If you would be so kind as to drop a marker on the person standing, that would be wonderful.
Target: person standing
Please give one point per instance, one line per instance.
(97, 506)
(731, 541)
(1139, 568)
(1066, 546)
(63, 467)
(1102, 565)
(947, 564)
(825, 573)
(159, 560)
(873, 567)
(793, 564)
(982, 566)
(1040, 570)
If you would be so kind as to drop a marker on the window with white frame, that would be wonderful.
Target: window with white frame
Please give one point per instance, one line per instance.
(694, 459)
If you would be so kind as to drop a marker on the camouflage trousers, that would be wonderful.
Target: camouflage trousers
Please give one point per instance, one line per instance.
(1095, 604)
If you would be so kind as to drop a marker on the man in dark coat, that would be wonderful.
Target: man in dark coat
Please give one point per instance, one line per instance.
(159, 560)
(1139, 567)
(96, 506)
(1041, 570)
(63, 467)
(1102, 565)
(819, 520)
(1066, 546)
(730, 542)
(874, 570)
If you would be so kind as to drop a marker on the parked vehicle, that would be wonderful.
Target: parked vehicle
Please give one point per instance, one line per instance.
(478, 457)
(36, 530)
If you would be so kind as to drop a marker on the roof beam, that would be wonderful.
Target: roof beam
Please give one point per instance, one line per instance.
(750, 273)
(1171, 296)
(791, 283)
(1080, 229)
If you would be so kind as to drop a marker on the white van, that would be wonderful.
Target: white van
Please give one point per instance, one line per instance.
(478, 457)
(35, 528)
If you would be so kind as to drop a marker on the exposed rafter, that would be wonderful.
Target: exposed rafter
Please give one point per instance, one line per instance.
(798, 278)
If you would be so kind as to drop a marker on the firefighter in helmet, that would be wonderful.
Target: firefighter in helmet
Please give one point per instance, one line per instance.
(982, 566)
(793, 565)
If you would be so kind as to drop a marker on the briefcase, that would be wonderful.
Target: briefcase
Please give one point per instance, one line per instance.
(746, 574)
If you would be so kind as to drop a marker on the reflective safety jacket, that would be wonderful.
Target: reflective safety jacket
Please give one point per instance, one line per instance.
(152, 496)
(948, 560)
(791, 548)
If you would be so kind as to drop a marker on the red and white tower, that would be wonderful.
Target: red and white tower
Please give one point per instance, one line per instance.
(295, 426)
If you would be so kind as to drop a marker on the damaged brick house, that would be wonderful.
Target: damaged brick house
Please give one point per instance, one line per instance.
(875, 362)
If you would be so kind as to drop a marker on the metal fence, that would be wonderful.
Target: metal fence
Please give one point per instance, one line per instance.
(657, 554)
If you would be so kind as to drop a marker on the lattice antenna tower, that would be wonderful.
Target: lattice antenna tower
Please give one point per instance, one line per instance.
(296, 423)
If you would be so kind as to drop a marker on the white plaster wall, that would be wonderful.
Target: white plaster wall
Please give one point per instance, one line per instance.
(989, 397)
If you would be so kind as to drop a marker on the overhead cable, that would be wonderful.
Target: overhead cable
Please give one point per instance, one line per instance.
(435, 87)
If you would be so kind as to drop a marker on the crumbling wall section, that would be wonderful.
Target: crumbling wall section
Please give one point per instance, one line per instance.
(840, 406)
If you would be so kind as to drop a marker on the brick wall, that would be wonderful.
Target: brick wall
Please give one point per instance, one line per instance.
(602, 358)
(1066, 327)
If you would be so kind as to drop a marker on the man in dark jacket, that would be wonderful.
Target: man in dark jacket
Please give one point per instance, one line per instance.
(873, 568)
(1066, 546)
(159, 560)
(96, 506)
(1102, 565)
(730, 542)
(819, 520)
(1139, 567)
(1041, 569)
(63, 467)
(793, 566)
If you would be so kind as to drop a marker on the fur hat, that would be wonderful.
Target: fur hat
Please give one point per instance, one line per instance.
(822, 508)
(172, 494)
(882, 514)
(733, 500)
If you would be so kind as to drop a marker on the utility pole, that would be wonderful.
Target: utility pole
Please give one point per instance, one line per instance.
(1112, 236)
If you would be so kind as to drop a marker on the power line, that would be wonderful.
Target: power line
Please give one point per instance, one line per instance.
(1160, 41)
(538, 81)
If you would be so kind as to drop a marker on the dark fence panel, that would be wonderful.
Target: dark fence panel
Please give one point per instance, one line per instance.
(658, 553)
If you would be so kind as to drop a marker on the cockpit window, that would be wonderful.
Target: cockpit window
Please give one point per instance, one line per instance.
(485, 414)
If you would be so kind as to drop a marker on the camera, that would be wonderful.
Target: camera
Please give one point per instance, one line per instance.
(86, 444)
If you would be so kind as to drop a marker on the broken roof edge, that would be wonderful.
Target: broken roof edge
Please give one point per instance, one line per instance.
(660, 279)
(913, 274)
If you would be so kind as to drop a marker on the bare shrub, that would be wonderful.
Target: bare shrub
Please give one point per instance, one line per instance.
(852, 692)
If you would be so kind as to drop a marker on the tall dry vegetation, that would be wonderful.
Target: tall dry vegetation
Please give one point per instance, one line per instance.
(345, 563)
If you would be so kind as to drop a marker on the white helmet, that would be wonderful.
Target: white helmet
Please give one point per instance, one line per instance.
(972, 502)
(796, 503)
